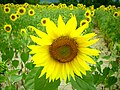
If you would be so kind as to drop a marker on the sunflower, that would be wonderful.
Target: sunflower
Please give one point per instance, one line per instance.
(7, 28)
(84, 23)
(23, 31)
(88, 19)
(44, 21)
(71, 7)
(87, 13)
(31, 12)
(21, 10)
(13, 17)
(116, 14)
(92, 13)
(6, 9)
(63, 51)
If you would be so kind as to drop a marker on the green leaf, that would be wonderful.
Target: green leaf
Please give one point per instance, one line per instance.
(114, 66)
(24, 56)
(85, 83)
(10, 87)
(111, 80)
(106, 57)
(15, 78)
(13, 72)
(33, 82)
(106, 71)
(30, 79)
(44, 84)
(15, 63)
(2, 79)
(29, 65)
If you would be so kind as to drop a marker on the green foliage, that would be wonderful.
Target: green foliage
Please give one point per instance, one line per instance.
(16, 68)
(85, 83)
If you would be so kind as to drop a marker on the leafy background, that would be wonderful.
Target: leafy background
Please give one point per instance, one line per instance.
(17, 72)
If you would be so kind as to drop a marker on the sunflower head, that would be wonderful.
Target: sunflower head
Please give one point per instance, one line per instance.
(31, 12)
(71, 7)
(63, 50)
(88, 19)
(84, 23)
(44, 21)
(92, 13)
(116, 14)
(21, 10)
(6, 9)
(87, 13)
(13, 17)
(23, 31)
(8, 28)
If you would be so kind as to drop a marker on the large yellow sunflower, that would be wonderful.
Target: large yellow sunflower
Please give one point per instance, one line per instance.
(63, 50)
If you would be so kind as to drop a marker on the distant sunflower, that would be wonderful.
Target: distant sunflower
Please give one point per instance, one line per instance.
(116, 14)
(23, 31)
(92, 13)
(84, 23)
(7, 28)
(21, 10)
(44, 21)
(31, 12)
(87, 13)
(13, 17)
(6, 9)
(88, 19)
(71, 7)
(63, 51)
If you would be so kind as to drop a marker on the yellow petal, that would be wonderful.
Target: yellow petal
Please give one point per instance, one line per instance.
(52, 30)
(83, 63)
(40, 41)
(51, 68)
(89, 51)
(81, 69)
(37, 49)
(61, 26)
(71, 25)
(87, 58)
(75, 68)
(84, 43)
(77, 33)
(89, 36)
(67, 70)
(64, 72)
(38, 32)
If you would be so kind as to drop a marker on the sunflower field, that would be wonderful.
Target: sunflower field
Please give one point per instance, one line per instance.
(59, 47)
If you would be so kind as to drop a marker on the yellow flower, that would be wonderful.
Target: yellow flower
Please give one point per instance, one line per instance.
(23, 31)
(87, 13)
(116, 14)
(88, 19)
(84, 23)
(31, 12)
(21, 10)
(8, 28)
(13, 17)
(6, 9)
(44, 21)
(71, 7)
(92, 13)
(63, 51)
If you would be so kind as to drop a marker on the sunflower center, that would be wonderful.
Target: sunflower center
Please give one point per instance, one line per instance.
(13, 17)
(31, 12)
(7, 28)
(44, 21)
(63, 49)
(21, 11)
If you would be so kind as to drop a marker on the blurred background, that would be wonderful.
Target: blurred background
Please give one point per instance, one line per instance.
(96, 3)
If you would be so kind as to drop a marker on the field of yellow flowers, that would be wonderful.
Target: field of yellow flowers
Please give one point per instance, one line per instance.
(19, 21)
